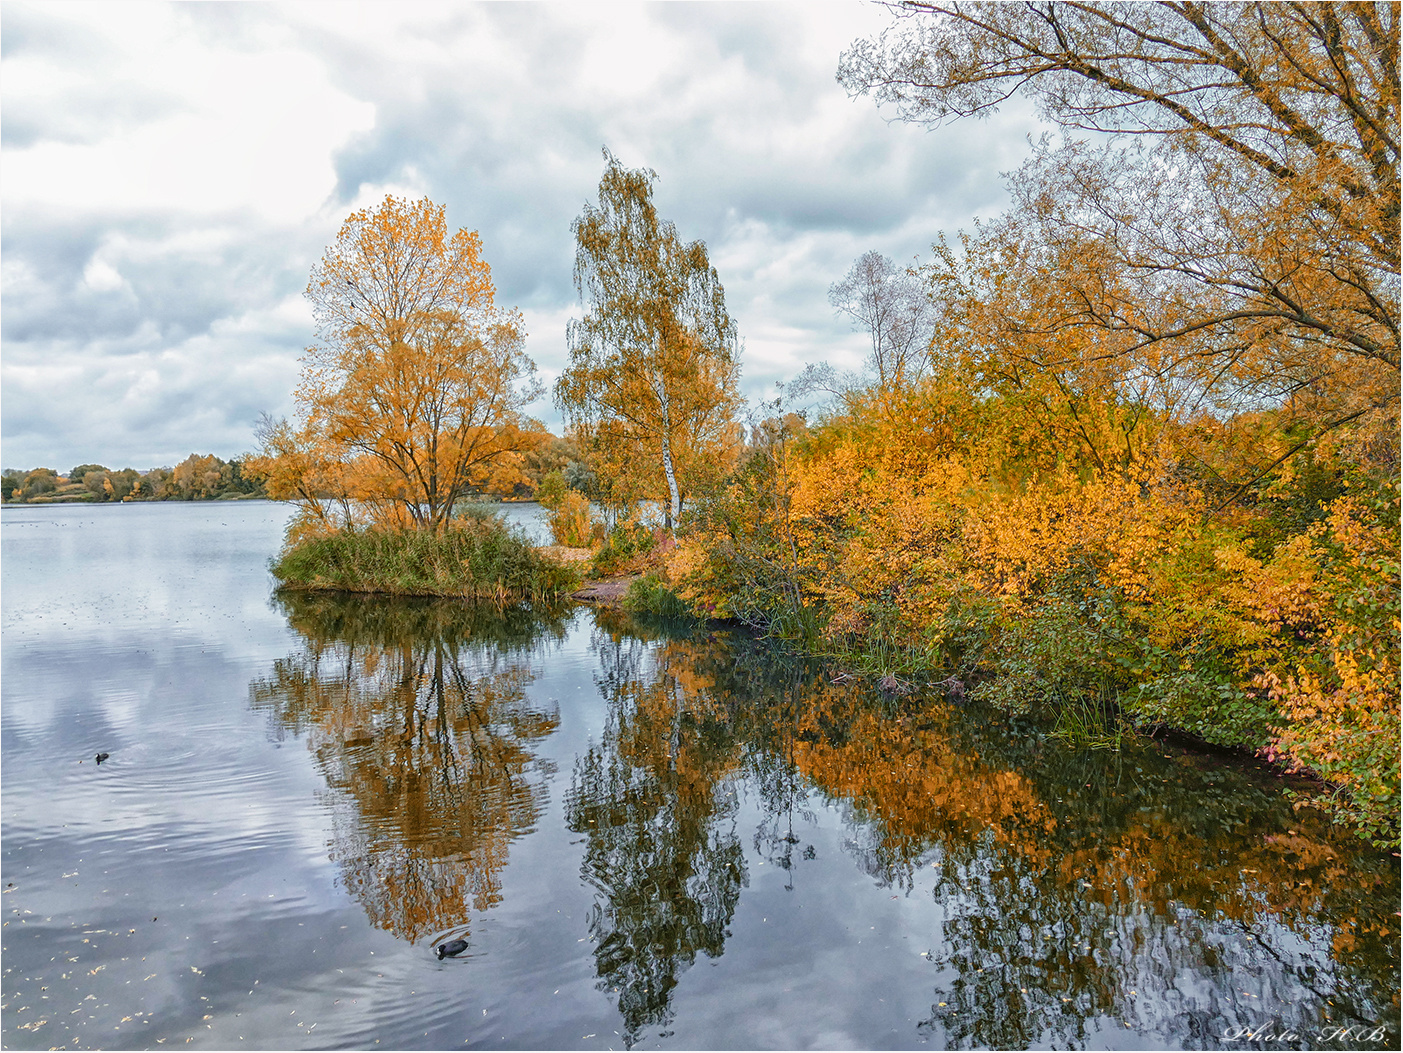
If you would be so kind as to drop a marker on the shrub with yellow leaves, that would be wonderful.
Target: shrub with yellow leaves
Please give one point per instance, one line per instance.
(900, 536)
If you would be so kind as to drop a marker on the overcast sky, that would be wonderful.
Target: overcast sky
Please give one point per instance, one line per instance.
(170, 173)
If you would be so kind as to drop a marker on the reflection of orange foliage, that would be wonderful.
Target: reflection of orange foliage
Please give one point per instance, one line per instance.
(433, 761)
(668, 708)
(918, 787)
(662, 849)
(1075, 894)
(918, 790)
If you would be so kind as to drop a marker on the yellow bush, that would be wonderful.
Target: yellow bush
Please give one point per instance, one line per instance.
(954, 537)
(571, 522)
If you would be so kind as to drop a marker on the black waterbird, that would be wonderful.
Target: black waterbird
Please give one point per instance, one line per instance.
(451, 949)
(102, 757)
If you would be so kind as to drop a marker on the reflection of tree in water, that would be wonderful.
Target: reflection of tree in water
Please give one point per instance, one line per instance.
(656, 801)
(418, 715)
(1077, 891)
(1080, 892)
(772, 743)
(1071, 892)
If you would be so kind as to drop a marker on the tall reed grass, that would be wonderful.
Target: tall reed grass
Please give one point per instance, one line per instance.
(476, 558)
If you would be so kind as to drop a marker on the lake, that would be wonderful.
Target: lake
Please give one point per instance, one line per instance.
(649, 836)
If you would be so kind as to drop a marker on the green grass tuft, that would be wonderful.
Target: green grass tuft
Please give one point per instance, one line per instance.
(651, 595)
(476, 558)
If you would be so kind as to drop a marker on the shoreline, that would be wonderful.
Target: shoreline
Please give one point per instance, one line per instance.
(608, 591)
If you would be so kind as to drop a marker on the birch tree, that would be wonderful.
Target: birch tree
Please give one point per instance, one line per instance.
(654, 363)
(891, 306)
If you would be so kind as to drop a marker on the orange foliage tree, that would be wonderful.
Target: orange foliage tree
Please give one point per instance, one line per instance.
(413, 393)
(1246, 251)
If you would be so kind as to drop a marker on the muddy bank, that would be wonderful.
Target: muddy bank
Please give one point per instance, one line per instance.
(606, 592)
(603, 592)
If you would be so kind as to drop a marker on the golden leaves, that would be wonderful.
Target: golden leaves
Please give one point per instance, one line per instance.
(654, 363)
(412, 396)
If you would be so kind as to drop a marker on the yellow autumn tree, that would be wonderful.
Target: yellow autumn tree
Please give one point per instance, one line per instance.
(412, 395)
(298, 464)
(654, 363)
(1233, 240)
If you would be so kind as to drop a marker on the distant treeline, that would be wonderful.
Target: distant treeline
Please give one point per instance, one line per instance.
(194, 479)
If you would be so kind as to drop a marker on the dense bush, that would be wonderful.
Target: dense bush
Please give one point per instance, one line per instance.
(650, 594)
(623, 546)
(571, 522)
(927, 534)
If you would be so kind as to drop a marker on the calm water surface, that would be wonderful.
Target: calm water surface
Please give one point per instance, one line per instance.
(648, 837)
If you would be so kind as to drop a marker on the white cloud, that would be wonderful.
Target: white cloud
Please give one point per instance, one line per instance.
(101, 276)
(173, 171)
(253, 132)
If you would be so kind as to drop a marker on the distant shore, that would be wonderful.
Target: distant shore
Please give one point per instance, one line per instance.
(81, 499)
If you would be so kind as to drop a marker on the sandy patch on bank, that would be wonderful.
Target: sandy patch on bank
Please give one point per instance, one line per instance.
(606, 592)
(565, 554)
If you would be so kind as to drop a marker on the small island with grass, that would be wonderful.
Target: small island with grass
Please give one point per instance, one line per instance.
(472, 557)
(480, 558)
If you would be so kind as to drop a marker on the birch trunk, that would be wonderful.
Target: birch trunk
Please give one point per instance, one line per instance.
(674, 507)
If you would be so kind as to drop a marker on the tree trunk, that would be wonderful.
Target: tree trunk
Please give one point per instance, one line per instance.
(674, 506)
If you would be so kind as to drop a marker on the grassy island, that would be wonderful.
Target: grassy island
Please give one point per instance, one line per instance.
(477, 558)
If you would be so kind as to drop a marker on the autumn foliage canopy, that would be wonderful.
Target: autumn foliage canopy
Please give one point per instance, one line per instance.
(1129, 452)
(411, 397)
(1150, 470)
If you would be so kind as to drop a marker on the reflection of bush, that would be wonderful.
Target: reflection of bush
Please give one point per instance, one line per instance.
(325, 618)
(1066, 878)
(419, 717)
